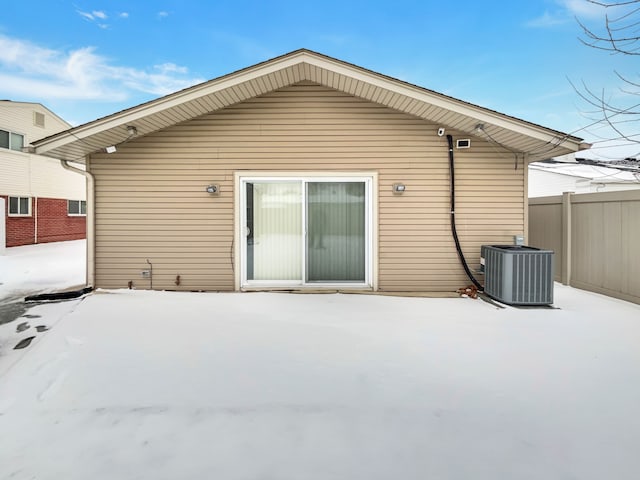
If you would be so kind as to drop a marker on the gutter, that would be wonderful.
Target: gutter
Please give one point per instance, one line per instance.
(91, 226)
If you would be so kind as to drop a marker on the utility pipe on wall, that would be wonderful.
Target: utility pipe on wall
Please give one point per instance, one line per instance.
(454, 231)
(35, 220)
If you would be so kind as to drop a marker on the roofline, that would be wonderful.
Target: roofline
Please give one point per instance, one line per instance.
(564, 174)
(609, 178)
(43, 106)
(320, 60)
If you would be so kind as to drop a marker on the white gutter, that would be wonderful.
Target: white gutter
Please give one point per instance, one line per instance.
(91, 226)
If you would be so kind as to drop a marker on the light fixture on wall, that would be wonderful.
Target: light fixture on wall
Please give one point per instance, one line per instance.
(111, 149)
(213, 189)
(399, 188)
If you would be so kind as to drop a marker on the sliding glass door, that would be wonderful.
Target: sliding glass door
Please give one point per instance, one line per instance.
(274, 227)
(336, 240)
(303, 231)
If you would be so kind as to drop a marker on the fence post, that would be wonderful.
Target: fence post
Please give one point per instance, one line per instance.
(566, 239)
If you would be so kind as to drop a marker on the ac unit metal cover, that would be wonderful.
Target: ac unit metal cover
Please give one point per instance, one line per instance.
(518, 275)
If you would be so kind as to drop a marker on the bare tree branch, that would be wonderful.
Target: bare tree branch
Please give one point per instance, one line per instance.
(614, 4)
(619, 35)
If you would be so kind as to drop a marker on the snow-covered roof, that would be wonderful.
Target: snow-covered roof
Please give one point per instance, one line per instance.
(594, 171)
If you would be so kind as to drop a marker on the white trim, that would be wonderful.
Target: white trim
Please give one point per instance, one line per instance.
(11, 132)
(79, 208)
(30, 209)
(311, 59)
(370, 180)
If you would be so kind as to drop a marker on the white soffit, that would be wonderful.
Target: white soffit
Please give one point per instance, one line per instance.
(516, 135)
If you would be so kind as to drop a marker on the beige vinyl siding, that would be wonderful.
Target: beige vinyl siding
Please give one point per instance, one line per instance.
(18, 117)
(151, 201)
(29, 175)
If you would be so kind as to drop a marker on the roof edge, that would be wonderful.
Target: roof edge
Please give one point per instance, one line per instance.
(302, 55)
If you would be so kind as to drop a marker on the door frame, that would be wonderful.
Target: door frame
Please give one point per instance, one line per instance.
(371, 222)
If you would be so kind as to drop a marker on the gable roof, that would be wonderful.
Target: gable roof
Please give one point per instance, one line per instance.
(14, 104)
(304, 65)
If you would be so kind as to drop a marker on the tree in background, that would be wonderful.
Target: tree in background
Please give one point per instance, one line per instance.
(619, 35)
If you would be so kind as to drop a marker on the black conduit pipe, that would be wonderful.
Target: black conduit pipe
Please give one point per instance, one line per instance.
(453, 217)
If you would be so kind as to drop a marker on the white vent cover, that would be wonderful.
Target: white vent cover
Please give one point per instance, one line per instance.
(38, 119)
(463, 143)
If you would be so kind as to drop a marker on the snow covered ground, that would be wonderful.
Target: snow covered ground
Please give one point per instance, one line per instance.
(155, 385)
(32, 269)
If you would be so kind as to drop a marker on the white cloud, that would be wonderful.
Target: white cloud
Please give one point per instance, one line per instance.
(566, 12)
(170, 68)
(80, 74)
(581, 8)
(86, 15)
(163, 14)
(99, 14)
(123, 15)
(548, 20)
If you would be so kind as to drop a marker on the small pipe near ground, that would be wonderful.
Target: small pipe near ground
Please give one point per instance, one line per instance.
(150, 274)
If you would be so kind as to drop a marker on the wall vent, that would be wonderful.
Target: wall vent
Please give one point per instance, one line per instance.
(518, 275)
(463, 143)
(38, 119)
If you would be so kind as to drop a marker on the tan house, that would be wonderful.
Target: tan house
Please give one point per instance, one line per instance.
(301, 172)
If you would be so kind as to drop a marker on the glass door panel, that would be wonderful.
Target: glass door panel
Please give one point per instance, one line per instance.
(336, 232)
(274, 231)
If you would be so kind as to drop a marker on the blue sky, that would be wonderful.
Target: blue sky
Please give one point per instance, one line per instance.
(85, 60)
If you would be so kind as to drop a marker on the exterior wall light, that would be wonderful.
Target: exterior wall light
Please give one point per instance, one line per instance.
(111, 149)
(213, 189)
(399, 188)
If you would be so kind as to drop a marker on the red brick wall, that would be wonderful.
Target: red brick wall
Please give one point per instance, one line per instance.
(54, 225)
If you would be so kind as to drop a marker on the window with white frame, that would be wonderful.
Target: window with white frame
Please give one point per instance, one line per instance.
(11, 140)
(76, 207)
(307, 230)
(19, 206)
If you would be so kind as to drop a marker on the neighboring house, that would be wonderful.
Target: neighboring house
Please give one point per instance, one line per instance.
(301, 172)
(555, 176)
(39, 199)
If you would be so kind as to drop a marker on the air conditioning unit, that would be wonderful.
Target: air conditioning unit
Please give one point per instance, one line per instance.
(517, 274)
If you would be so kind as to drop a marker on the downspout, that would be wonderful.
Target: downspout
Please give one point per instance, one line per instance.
(90, 219)
(453, 217)
(35, 221)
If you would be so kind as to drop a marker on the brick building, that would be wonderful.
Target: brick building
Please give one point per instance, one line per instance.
(40, 201)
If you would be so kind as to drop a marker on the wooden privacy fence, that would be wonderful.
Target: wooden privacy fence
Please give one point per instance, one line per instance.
(595, 237)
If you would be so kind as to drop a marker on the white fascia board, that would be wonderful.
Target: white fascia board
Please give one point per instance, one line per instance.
(165, 103)
(336, 66)
(454, 105)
